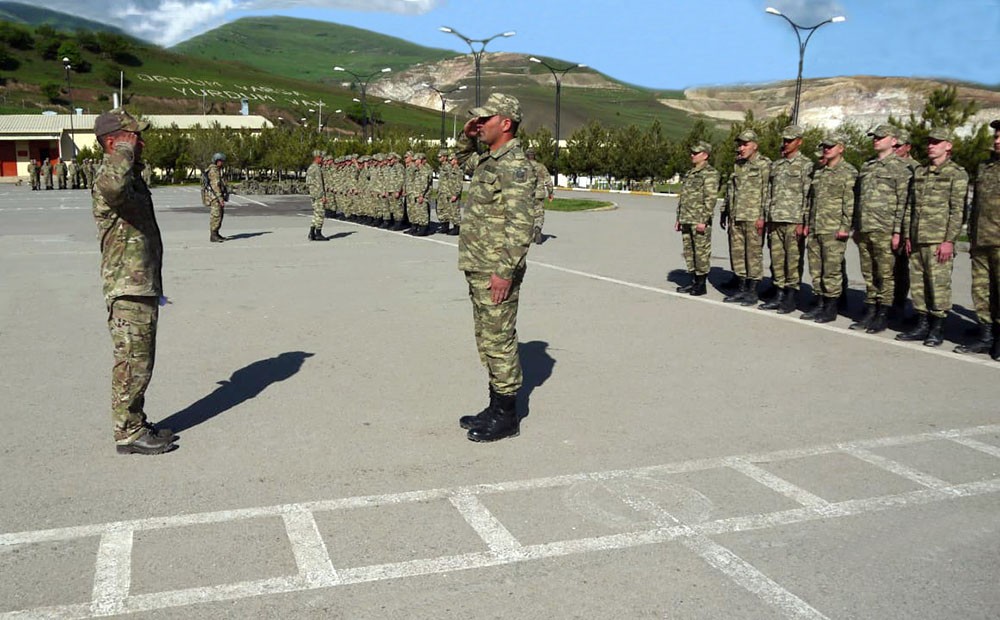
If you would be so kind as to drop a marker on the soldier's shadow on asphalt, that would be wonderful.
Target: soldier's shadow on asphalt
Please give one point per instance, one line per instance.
(243, 385)
(536, 367)
(248, 235)
(342, 234)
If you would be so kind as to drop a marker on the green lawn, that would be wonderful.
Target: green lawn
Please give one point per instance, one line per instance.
(576, 204)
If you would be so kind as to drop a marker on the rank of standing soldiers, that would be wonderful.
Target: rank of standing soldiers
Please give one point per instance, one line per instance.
(904, 217)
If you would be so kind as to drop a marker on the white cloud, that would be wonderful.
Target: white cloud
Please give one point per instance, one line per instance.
(808, 12)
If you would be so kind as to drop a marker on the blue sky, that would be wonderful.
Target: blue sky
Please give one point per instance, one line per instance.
(653, 43)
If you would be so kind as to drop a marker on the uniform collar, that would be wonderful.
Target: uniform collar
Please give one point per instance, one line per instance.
(497, 154)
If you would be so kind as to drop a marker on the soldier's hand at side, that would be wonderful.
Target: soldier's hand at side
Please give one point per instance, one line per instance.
(842, 235)
(895, 242)
(760, 226)
(700, 228)
(499, 287)
(724, 222)
(945, 252)
(677, 226)
(909, 247)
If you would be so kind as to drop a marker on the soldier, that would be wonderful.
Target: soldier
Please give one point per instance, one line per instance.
(33, 174)
(47, 173)
(419, 190)
(984, 239)
(317, 192)
(831, 209)
(395, 179)
(131, 260)
(381, 191)
(883, 185)
(449, 194)
(786, 212)
(215, 196)
(901, 267)
(544, 192)
(492, 250)
(931, 226)
(71, 171)
(743, 215)
(61, 174)
(695, 210)
(147, 174)
(329, 185)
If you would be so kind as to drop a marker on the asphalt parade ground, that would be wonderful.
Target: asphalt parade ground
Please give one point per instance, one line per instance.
(680, 457)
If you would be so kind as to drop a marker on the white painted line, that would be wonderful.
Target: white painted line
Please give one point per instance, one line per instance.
(311, 555)
(977, 445)
(778, 484)
(897, 468)
(208, 594)
(500, 541)
(112, 573)
(256, 202)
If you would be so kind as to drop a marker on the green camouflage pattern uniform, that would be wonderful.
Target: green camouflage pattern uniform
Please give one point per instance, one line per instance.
(317, 192)
(71, 174)
(450, 193)
(696, 205)
(984, 238)
(418, 191)
(831, 210)
(61, 175)
(329, 172)
(131, 258)
(788, 198)
(542, 192)
(89, 170)
(215, 198)
(33, 174)
(496, 232)
(394, 180)
(47, 174)
(937, 204)
(746, 198)
(883, 186)
(382, 184)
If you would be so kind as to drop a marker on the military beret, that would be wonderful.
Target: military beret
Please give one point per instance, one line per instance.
(115, 120)
(498, 103)
(883, 130)
(747, 135)
(940, 134)
(832, 139)
(792, 132)
(995, 124)
(701, 147)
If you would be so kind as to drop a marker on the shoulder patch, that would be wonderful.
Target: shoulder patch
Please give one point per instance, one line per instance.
(520, 174)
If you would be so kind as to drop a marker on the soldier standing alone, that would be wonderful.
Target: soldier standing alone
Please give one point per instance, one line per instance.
(317, 191)
(215, 196)
(695, 210)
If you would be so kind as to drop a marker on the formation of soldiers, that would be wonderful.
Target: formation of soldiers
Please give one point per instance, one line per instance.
(66, 174)
(905, 218)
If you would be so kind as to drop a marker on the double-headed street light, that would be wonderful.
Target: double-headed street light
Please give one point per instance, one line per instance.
(441, 94)
(558, 75)
(802, 49)
(363, 82)
(477, 54)
(319, 117)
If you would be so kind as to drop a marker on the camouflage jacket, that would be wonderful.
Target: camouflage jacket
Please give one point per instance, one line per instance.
(449, 182)
(544, 188)
(699, 190)
(497, 228)
(395, 179)
(46, 169)
(883, 186)
(32, 169)
(831, 199)
(936, 203)
(420, 182)
(328, 180)
(788, 189)
(131, 248)
(61, 168)
(217, 190)
(984, 220)
(315, 181)
(746, 192)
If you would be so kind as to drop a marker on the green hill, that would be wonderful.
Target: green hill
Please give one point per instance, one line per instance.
(18, 13)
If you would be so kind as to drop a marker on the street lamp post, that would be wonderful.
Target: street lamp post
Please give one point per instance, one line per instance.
(802, 49)
(441, 94)
(558, 75)
(319, 117)
(477, 54)
(363, 81)
(69, 94)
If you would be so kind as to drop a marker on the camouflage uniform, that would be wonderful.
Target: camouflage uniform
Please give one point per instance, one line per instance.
(71, 173)
(418, 190)
(450, 193)
(831, 210)
(789, 182)
(317, 192)
(394, 180)
(33, 174)
(131, 259)
(984, 238)
(61, 175)
(696, 205)
(883, 185)
(746, 197)
(215, 198)
(328, 186)
(47, 174)
(542, 193)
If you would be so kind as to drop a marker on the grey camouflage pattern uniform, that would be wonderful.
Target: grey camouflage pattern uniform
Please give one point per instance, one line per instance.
(696, 205)
(984, 238)
(746, 197)
(787, 209)
(831, 210)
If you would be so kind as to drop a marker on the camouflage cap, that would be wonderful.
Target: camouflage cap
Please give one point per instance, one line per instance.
(902, 136)
(364, 159)
(393, 155)
(832, 139)
(995, 124)
(940, 134)
(701, 147)
(499, 103)
(409, 153)
(317, 153)
(747, 135)
(419, 156)
(116, 120)
(530, 151)
(818, 153)
(792, 132)
(883, 130)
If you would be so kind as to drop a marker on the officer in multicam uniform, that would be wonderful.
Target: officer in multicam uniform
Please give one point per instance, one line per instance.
(883, 187)
(317, 193)
(695, 210)
(47, 173)
(831, 212)
(215, 197)
(131, 260)
(492, 251)
(743, 215)
(33, 174)
(984, 240)
(449, 196)
(544, 192)
(419, 196)
(788, 197)
(931, 226)
(901, 268)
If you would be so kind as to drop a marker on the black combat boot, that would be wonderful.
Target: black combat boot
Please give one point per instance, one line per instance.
(318, 235)
(148, 443)
(880, 321)
(699, 286)
(750, 297)
(828, 314)
(479, 420)
(788, 304)
(819, 304)
(420, 231)
(995, 350)
(686, 288)
(866, 319)
(454, 231)
(776, 301)
(312, 233)
(215, 237)
(919, 331)
(934, 333)
(501, 423)
(982, 344)
(538, 238)
(737, 296)
(444, 227)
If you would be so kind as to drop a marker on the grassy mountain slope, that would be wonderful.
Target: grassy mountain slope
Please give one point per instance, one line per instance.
(35, 16)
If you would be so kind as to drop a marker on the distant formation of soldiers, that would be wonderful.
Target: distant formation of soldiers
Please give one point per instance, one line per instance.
(66, 174)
